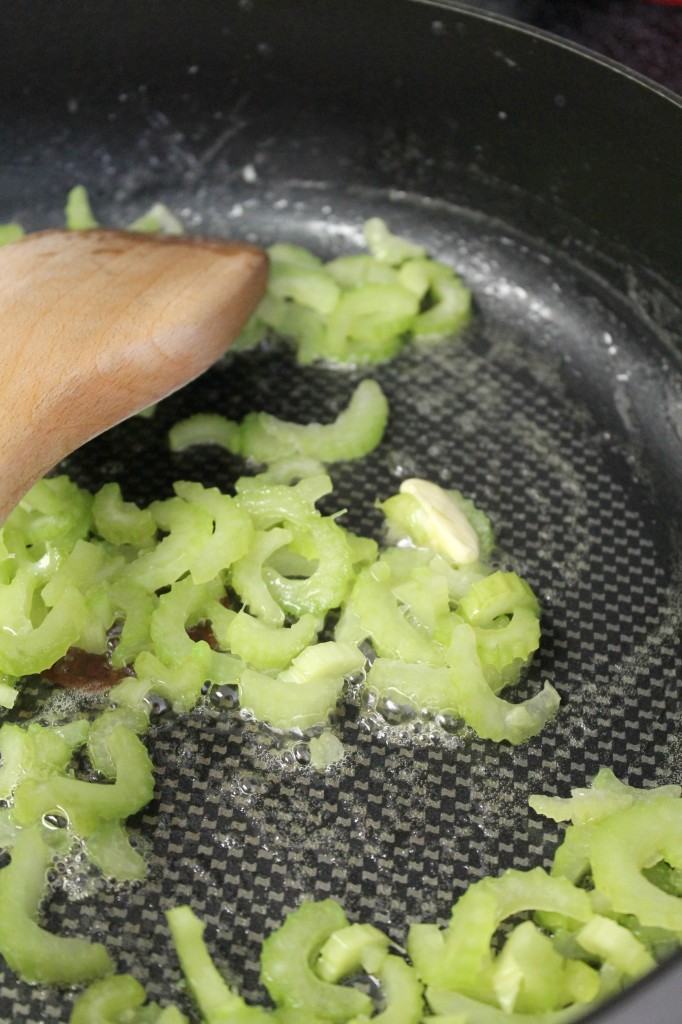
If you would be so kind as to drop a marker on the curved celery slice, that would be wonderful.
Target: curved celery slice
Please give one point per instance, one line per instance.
(349, 950)
(501, 593)
(355, 432)
(36, 751)
(447, 299)
(205, 428)
(455, 1007)
(381, 618)
(119, 999)
(180, 683)
(531, 976)
(119, 521)
(504, 650)
(232, 530)
(34, 954)
(109, 848)
(88, 804)
(625, 843)
(134, 605)
(101, 729)
(327, 585)
(304, 694)
(185, 605)
(266, 647)
(271, 504)
(605, 796)
(308, 286)
(491, 717)
(386, 247)
(247, 575)
(188, 530)
(286, 971)
(358, 270)
(367, 323)
(460, 958)
(422, 686)
(32, 652)
(616, 945)
(286, 252)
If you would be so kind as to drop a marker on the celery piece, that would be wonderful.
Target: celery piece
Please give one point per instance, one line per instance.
(622, 844)
(287, 972)
(355, 432)
(88, 804)
(304, 694)
(10, 233)
(181, 683)
(300, 324)
(381, 617)
(86, 566)
(119, 521)
(247, 575)
(34, 954)
(266, 647)
(215, 1001)
(505, 649)
(386, 247)
(185, 605)
(447, 299)
(356, 271)
(616, 945)
(420, 685)
(346, 950)
(401, 991)
(36, 751)
(157, 220)
(327, 585)
(58, 511)
(101, 729)
(491, 717)
(109, 848)
(119, 999)
(79, 216)
(232, 530)
(448, 1005)
(30, 653)
(530, 976)
(368, 324)
(271, 504)
(296, 255)
(307, 286)
(188, 530)
(205, 428)
(108, 1001)
(606, 795)
(461, 959)
(135, 605)
(501, 593)
(325, 750)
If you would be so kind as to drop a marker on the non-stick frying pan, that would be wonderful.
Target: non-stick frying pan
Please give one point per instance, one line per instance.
(551, 181)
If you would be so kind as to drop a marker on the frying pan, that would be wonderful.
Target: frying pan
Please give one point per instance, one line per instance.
(551, 180)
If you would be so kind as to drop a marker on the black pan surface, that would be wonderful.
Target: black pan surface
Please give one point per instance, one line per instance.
(559, 411)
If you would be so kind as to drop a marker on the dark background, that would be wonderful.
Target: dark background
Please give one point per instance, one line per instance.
(646, 37)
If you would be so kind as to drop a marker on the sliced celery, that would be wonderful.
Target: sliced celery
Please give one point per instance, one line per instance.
(491, 717)
(79, 215)
(35, 954)
(10, 233)
(286, 971)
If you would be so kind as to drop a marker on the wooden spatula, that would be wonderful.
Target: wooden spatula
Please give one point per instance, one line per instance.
(97, 325)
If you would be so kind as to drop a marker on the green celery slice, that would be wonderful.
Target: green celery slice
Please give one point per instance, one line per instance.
(33, 953)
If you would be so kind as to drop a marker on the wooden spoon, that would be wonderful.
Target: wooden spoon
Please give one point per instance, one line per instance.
(98, 325)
